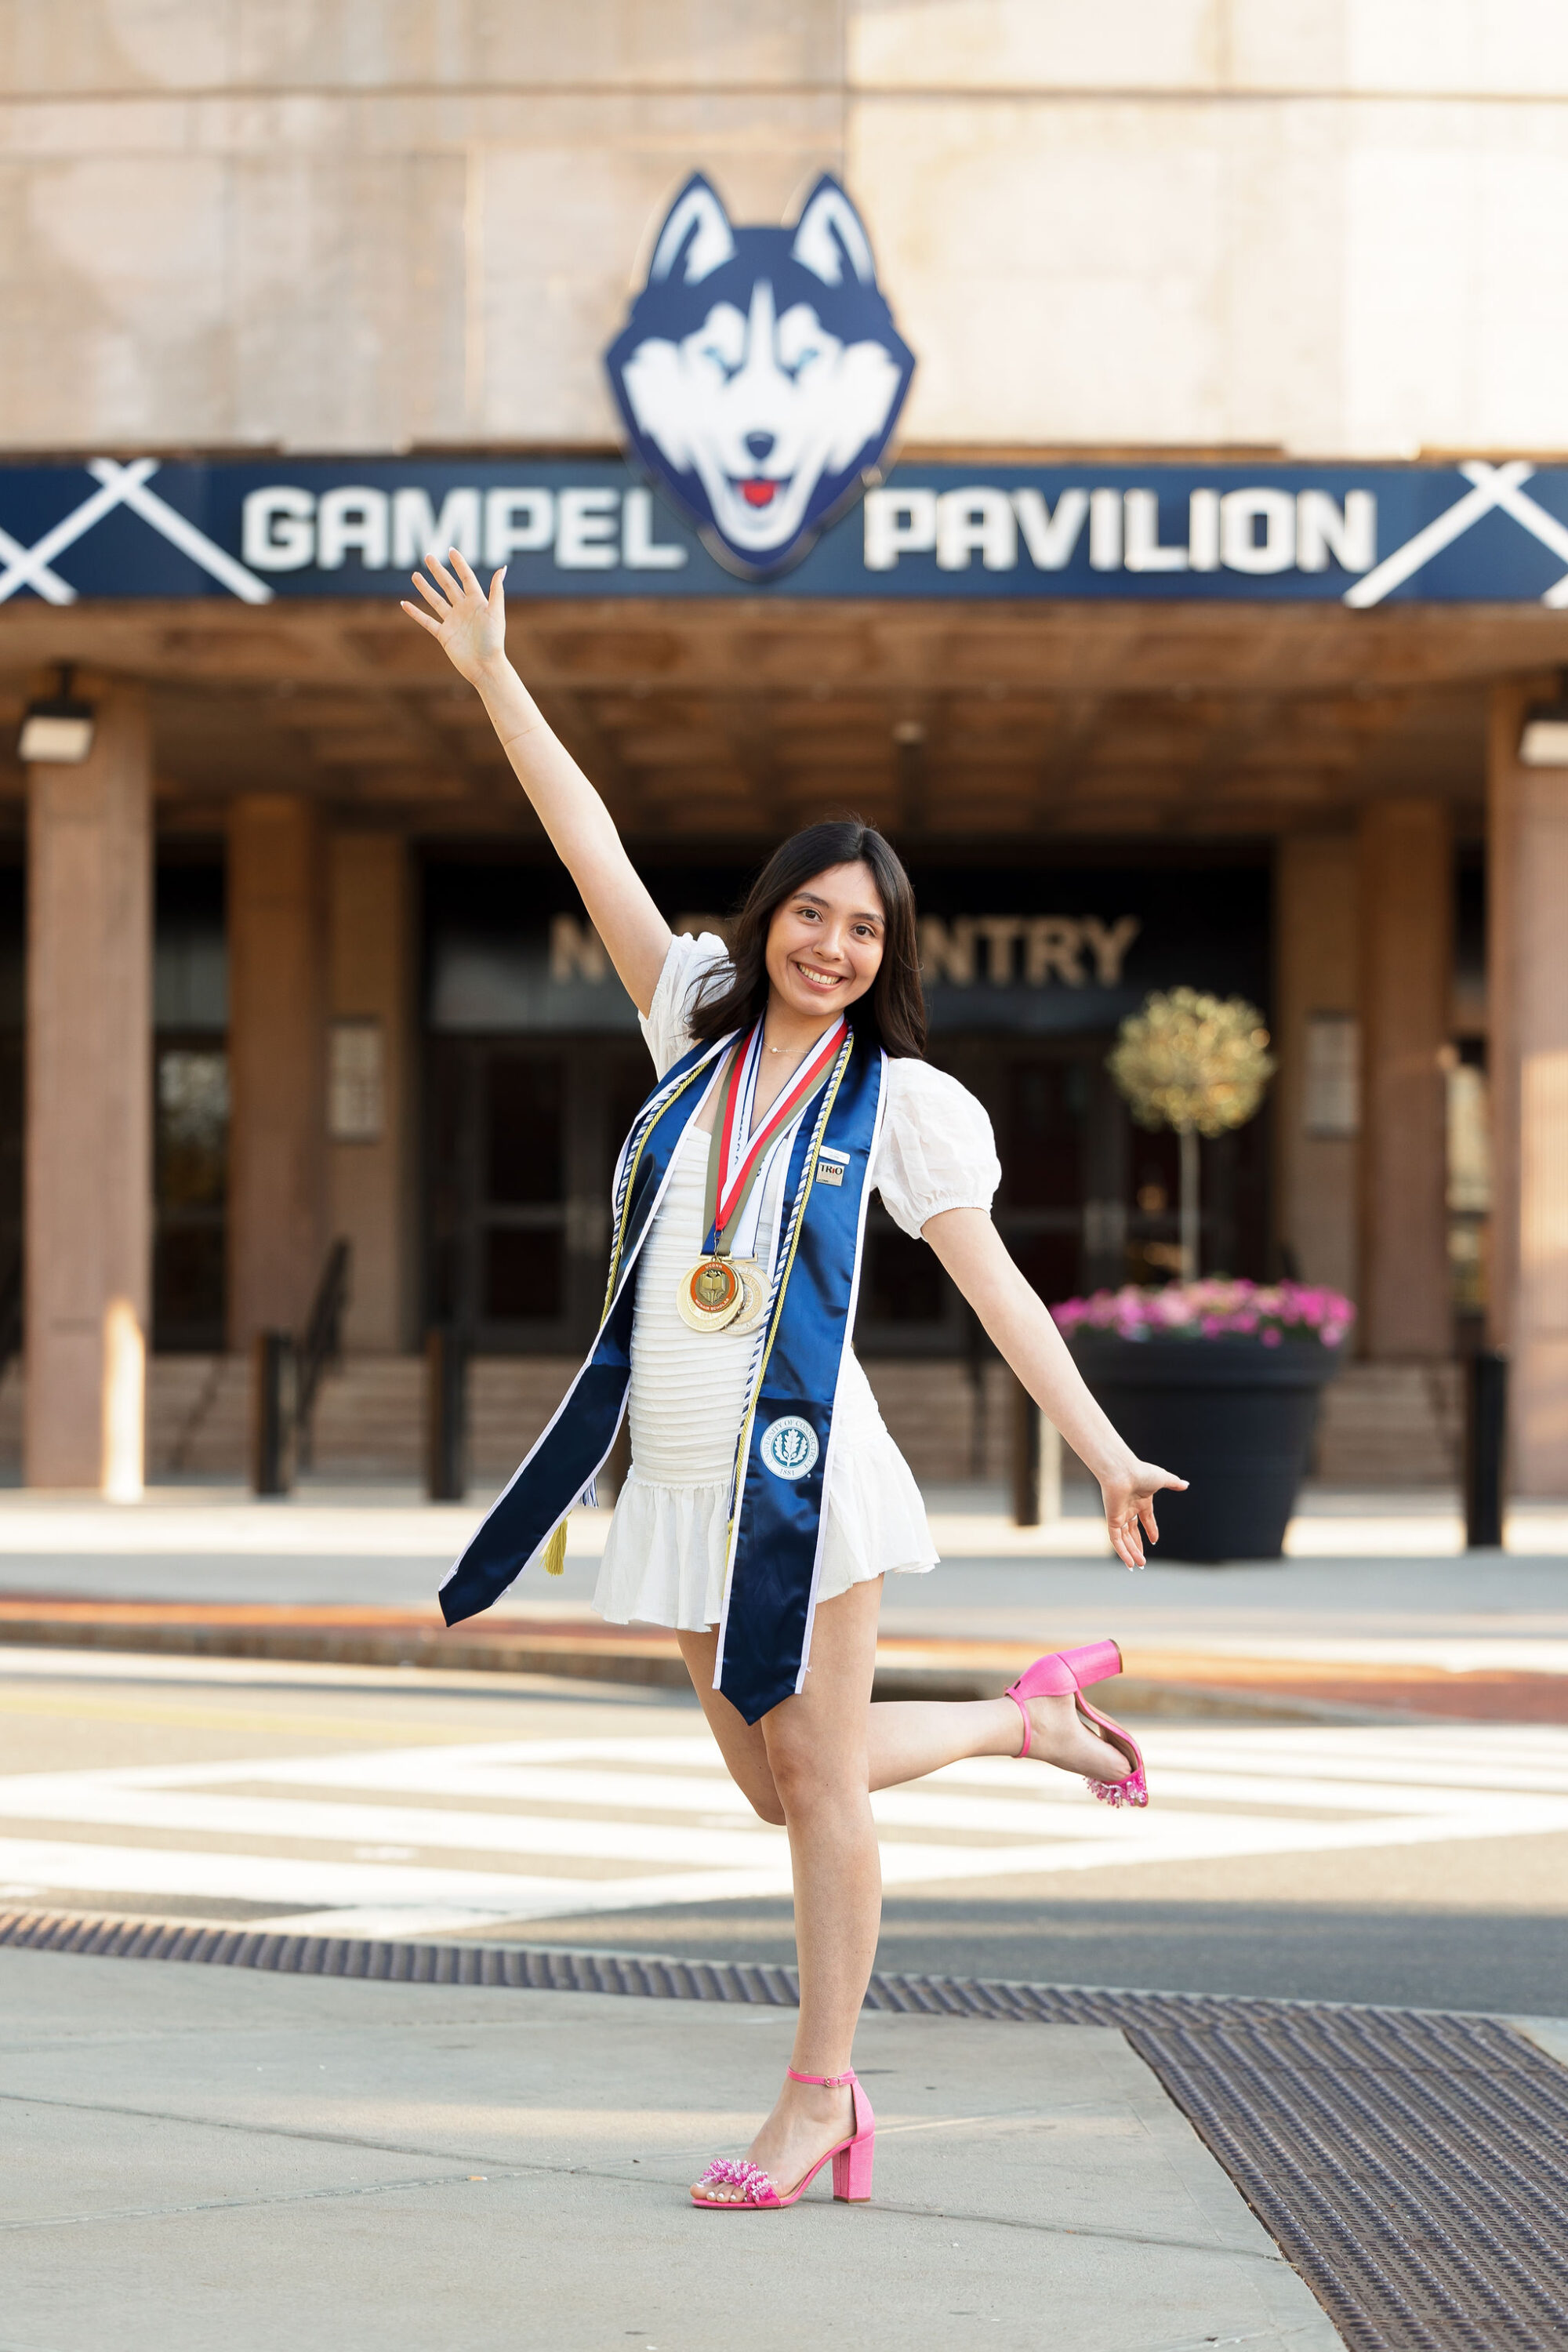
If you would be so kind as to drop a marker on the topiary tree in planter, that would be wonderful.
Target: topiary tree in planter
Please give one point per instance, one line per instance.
(1197, 1063)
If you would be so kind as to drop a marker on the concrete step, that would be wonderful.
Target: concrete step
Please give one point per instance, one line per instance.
(1389, 1425)
(1392, 1425)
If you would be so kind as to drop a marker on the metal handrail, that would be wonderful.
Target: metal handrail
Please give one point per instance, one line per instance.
(11, 1314)
(322, 1343)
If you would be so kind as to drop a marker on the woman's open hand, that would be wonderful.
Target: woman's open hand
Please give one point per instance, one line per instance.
(469, 626)
(1129, 1495)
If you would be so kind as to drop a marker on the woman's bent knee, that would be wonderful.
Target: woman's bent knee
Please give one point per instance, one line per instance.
(805, 1780)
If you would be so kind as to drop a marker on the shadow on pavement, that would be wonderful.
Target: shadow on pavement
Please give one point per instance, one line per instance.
(1405, 1958)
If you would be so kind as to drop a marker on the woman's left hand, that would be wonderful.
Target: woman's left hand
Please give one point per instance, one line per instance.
(1130, 1493)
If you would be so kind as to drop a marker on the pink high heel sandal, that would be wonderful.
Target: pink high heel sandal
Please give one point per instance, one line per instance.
(1067, 1671)
(852, 2161)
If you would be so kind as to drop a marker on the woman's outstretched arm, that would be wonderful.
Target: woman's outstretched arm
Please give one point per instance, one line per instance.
(470, 628)
(1024, 1332)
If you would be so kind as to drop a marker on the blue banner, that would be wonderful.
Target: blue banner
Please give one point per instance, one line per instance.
(1478, 532)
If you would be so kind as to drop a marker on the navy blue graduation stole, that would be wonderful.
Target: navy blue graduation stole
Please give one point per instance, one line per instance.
(785, 1439)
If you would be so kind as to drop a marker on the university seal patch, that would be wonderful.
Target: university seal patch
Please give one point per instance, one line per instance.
(789, 1446)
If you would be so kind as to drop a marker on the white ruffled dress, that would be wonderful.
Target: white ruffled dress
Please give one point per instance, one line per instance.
(664, 1554)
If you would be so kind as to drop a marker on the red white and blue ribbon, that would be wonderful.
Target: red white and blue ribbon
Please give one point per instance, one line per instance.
(738, 1155)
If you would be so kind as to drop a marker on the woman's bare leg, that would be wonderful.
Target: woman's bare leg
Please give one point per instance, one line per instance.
(740, 1744)
(815, 1749)
(811, 1764)
(907, 1738)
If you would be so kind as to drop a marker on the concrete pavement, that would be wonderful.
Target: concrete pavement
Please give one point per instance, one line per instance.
(1366, 1621)
(258, 2160)
(216, 2154)
(1416, 1864)
(1279, 1857)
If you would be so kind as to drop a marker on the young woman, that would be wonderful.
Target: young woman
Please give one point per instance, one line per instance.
(766, 1500)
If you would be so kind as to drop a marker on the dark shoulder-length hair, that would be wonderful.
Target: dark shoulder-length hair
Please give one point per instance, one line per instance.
(734, 995)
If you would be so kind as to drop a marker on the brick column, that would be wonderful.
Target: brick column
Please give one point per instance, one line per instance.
(277, 1161)
(1406, 958)
(371, 1177)
(1527, 858)
(89, 1137)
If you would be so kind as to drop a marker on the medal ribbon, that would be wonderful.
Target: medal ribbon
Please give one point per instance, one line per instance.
(733, 1166)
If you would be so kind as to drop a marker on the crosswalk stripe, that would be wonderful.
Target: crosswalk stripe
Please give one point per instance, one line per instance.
(1222, 1791)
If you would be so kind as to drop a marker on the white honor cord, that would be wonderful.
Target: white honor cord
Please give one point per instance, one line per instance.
(746, 1094)
(764, 1201)
(743, 1240)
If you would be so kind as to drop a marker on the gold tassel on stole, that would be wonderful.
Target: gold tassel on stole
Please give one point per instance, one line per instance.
(554, 1560)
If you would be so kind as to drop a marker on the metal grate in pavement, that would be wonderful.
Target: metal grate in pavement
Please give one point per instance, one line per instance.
(1412, 2165)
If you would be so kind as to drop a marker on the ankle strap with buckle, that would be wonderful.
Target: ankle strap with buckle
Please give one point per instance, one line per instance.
(822, 2082)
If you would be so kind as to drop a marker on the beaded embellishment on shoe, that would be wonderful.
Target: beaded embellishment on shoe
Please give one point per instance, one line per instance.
(756, 2186)
(1133, 1791)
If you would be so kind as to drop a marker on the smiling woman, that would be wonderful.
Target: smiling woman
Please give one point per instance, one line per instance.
(766, 1500)
(835, 879)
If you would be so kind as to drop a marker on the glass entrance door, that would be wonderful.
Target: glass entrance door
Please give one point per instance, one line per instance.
(1086, 1201)
(523, 1139)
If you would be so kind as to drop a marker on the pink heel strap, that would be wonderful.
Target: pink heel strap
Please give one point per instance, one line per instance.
(1028, 1728)
(822, 2082)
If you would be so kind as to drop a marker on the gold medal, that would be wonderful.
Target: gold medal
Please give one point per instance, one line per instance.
(757, 1287)
(720, 1293)
(709, 1294)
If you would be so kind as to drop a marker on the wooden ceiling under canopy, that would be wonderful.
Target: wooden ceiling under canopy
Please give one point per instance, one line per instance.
(734, 719)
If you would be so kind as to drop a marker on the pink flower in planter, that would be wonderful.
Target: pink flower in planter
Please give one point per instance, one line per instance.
(1213, 1308)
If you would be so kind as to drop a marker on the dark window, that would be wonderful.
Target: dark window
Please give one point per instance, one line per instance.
(902, 1280)
(522, 1142)
(1041, 1142)
(524, 1274)
(190, 1129)
(524, 1127)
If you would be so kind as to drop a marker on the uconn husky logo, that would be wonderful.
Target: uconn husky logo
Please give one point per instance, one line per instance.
(760, 373)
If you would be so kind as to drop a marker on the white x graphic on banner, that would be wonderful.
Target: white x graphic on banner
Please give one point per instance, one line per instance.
(120, 486)
(1495, 488)
(49, 583)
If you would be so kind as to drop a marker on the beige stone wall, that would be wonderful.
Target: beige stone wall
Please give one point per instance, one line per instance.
(362, 224)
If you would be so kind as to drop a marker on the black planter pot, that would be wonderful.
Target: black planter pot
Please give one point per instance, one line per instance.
(1233, 1417)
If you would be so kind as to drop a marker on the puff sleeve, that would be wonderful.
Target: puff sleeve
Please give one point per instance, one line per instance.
(936, 1149)
(665, 1026)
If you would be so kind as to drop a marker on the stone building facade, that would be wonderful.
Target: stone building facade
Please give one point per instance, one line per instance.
(296, 964)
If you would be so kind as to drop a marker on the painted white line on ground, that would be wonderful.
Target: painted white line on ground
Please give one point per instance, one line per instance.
(1450, 1654)
(433, 1828)
(1221, 1793)
(270, 1878)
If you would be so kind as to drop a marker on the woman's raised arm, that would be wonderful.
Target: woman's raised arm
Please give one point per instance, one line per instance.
(1025, 1334)
(470, 628)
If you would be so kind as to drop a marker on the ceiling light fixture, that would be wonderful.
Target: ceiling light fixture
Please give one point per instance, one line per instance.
(1543, 738)
(57, 730)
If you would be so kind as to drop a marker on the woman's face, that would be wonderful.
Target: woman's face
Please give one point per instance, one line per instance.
(824, 942)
